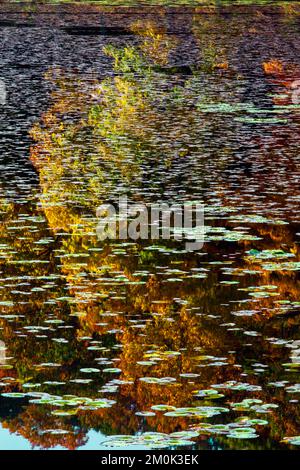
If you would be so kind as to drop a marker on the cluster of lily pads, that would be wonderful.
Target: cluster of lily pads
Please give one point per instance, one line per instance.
(260, 292)
(155, 355)
(64, 401)
(254, 404)
(256, 219)
(258, 255)
(209, 394)
(240, 109)
(158, 380)
(284, 266)
(241, 428)
(292, 440)
(197, 411)
(212, 233)
(237, 386)
(152, 440)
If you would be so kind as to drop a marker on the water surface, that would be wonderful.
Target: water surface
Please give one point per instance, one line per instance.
(142, 344)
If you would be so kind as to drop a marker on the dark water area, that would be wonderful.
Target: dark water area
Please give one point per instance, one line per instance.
(142, 344)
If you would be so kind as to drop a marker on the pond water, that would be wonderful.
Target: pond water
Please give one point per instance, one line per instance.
(142, 343)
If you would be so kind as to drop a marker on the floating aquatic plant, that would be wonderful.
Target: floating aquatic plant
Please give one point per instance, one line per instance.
(152, 440)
